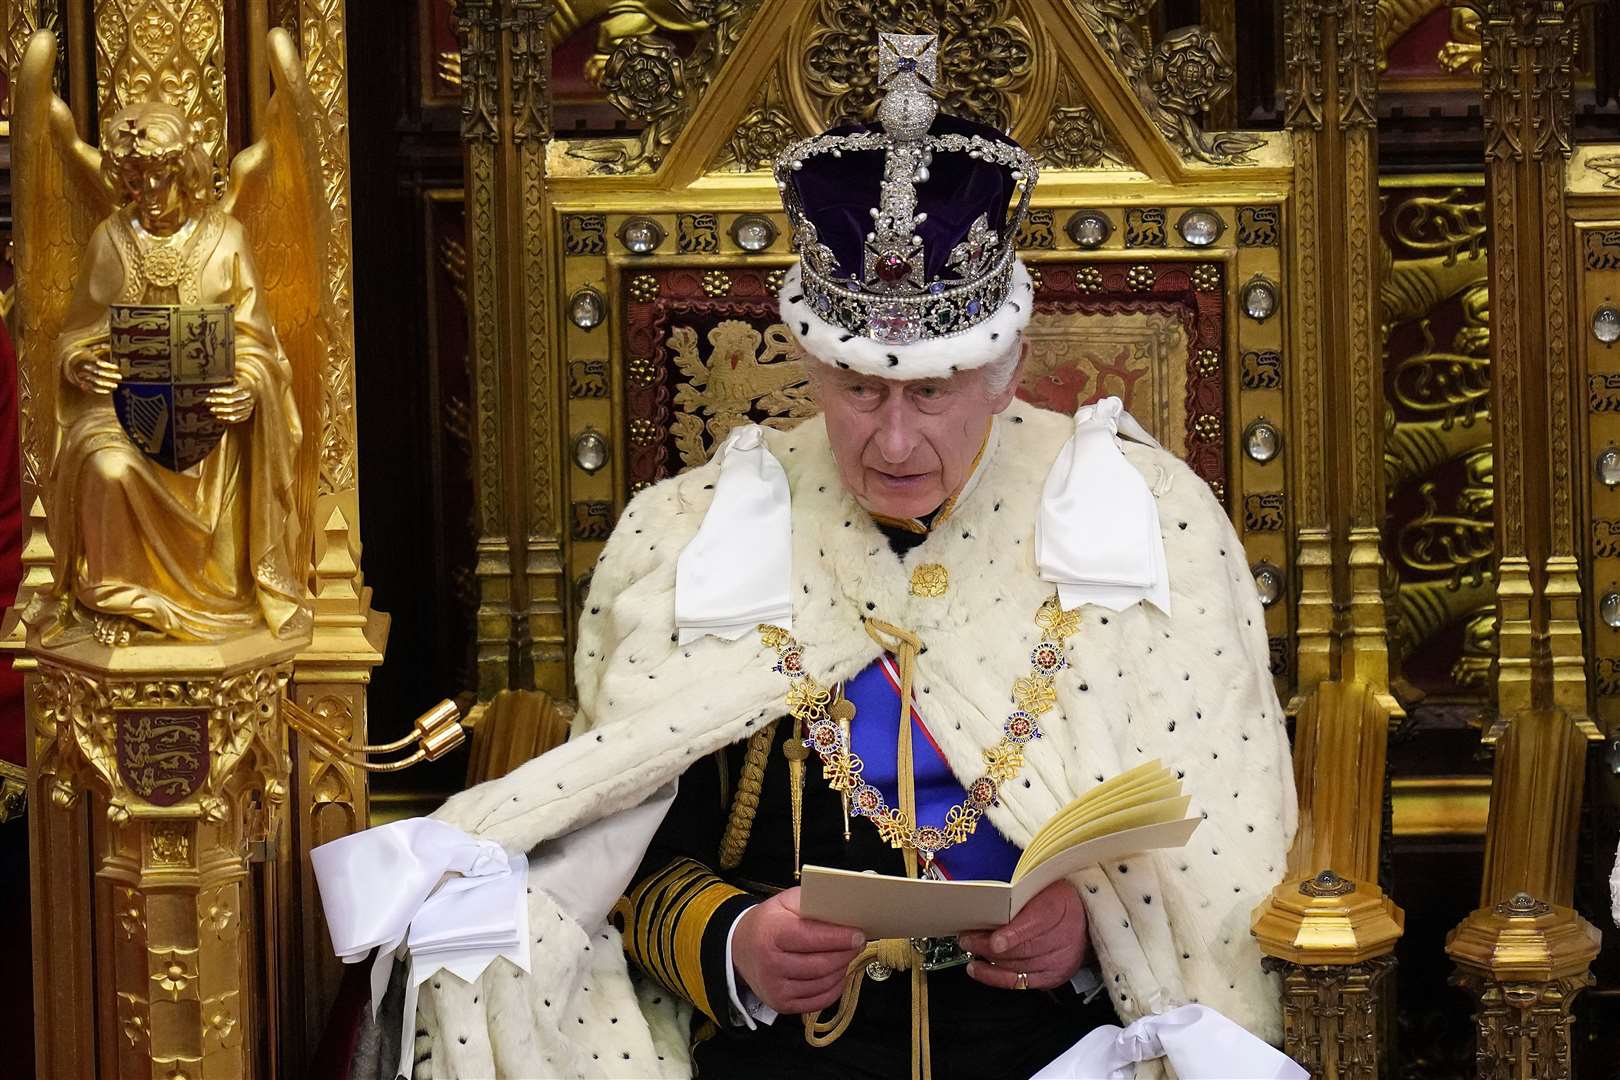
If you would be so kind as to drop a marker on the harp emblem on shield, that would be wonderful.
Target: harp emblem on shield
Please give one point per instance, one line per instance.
(171, 357)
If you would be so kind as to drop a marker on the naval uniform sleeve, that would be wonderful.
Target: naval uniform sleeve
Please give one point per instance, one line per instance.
(678, 912)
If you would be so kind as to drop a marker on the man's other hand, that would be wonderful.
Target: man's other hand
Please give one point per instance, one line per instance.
(793, 964)
(1046, 941)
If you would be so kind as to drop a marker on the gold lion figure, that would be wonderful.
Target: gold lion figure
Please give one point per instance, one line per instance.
(222, 547)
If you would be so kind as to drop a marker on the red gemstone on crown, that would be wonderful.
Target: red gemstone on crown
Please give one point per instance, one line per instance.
(892, 268)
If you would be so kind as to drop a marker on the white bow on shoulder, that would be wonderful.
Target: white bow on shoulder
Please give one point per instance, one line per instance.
(737, 572)
(1097, 538)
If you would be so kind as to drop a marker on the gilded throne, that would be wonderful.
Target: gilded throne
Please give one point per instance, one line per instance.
(597, 275)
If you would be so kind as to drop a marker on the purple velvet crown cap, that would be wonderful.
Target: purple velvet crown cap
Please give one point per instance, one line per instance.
(838, 193)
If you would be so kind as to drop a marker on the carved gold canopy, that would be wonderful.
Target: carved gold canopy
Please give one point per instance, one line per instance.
(1158, 247)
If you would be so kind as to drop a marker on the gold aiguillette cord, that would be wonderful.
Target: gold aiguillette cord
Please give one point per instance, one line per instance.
(906, 646)
(895, 954)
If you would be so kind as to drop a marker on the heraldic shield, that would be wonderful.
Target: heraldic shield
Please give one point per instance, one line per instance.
(162, 753)
(171, 357)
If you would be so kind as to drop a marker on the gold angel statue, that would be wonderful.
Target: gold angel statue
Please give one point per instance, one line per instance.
(112, 247)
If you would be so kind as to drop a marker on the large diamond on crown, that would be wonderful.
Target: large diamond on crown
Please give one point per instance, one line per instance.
(893, 324)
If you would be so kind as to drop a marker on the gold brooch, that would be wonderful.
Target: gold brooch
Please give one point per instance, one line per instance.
(930, 579)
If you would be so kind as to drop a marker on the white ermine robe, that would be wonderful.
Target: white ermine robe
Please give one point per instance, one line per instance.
(1191, 689)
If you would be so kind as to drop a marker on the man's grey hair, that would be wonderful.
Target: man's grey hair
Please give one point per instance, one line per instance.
(999, 372)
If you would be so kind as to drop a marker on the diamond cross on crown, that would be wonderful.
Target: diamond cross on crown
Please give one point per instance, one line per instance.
(908, 54)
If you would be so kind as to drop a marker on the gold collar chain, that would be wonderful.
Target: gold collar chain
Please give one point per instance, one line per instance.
(1035, 694)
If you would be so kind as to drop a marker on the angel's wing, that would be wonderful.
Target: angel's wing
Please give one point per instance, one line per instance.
(59, 199)
(275, 190)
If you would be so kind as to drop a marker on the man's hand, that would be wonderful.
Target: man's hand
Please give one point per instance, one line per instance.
(792, 964)
(1047, 941)
(94, 370)
(231, 404)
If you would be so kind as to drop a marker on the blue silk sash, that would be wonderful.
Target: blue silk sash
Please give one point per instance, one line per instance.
(874, 735)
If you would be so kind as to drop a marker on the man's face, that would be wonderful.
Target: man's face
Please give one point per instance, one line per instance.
(903, 448)
(154, 185)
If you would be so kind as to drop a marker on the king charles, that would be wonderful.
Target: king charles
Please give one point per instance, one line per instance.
(898, 637)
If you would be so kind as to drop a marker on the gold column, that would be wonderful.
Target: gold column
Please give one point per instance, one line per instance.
(330, 676)
(543, 661)
(329, 792)
(506, 124)
(1525, 953)
(478, 26)
(1328, 928)
(24, 19)
(185, 768)
(61, 889)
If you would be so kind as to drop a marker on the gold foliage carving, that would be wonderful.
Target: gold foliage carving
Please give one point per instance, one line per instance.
(170, 843)
(541, 403)
(1175, 80)
(1074, 136)
(169, 50)
(1524, 1027)
(763, 133)
(1331, 1016)
(478, 29)
(220, 1019)
(134, 1023)
(745, 372)
(78, 713)
(646, 76)
(530, 58)
(987, 58)
(323, 45)
(481, 227)
(175, 972)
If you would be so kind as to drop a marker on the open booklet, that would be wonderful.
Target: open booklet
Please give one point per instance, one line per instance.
(1136, 811)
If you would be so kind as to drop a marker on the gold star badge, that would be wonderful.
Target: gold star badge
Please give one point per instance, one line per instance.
(930, 579)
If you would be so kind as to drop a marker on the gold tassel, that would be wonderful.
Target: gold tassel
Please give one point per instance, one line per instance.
(740, 823)
(795, 751)
(843, 711)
